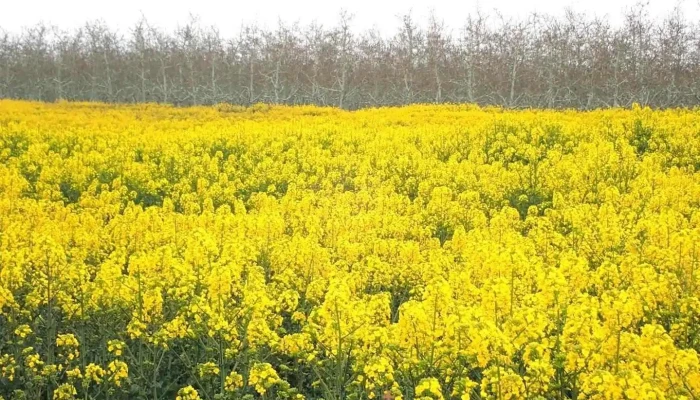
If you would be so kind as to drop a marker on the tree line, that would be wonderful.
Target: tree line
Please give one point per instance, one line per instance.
(573, 61)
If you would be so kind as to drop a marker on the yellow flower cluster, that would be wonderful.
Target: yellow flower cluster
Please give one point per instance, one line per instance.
(68, 345)
(208, 369)
(94, 373)
(187, 393)
(118, 372)
(420, 252)
(263, 377)
(8, 367)
(23, 331)
(234, 381)
(377, 375)
(65, 392)
(115, 347)
(429, 388)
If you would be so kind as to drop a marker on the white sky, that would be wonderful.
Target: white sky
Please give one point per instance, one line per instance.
(228, 15)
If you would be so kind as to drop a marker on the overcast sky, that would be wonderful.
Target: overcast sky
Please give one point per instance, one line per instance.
(229, 15)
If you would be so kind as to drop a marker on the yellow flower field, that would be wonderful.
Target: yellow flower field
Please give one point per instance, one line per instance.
(423, 252)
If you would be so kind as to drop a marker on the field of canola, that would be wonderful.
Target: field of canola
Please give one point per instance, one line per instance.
(423, 252)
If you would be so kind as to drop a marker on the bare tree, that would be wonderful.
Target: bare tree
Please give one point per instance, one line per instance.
(407, 46)
(474, 37)
(437, 42)
(249, 51)
(538, 61)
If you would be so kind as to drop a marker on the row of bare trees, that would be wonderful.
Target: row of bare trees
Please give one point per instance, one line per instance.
(539, 61)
